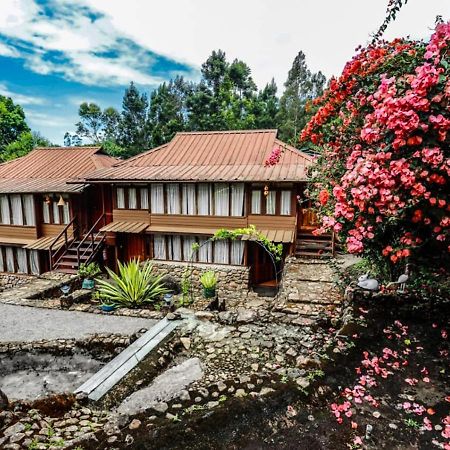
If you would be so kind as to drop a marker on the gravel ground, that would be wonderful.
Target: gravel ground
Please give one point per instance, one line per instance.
(22, 323)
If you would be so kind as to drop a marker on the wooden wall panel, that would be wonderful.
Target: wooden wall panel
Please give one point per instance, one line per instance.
(18, 231)
(198, 221)
(272, 222)
(131, 215)
(48, 229)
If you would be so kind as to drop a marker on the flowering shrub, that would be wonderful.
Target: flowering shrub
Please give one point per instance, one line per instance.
(381, 181)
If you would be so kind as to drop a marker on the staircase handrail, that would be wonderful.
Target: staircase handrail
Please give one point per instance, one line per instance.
(90, 234)
(57, 238)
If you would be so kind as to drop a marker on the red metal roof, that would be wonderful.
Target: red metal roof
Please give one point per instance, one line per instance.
(47, 169)
(212, 156)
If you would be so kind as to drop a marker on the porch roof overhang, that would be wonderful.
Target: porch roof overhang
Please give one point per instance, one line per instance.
(45, 242)
(280, 236)
(125, 227)
(39, 186)
(15, 241)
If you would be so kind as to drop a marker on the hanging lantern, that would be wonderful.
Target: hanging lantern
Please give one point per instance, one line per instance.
(48, 200)
(61, 201)
(266, 190)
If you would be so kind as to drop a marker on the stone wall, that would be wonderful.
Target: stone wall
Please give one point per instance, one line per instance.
(232, 285)
(10, 280)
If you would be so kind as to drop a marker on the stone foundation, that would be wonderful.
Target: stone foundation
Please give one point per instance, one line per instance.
(232, 285)
(10, 280)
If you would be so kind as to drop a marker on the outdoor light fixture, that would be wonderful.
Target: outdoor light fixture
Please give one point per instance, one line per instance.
(266, 190)
(61, 201)
(48, 199)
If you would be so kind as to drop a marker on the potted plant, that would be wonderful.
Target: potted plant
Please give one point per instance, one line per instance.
(88, 272)
(107, 306)
(208, 281)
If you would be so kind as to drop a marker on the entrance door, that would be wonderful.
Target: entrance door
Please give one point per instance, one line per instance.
(261, 265)
(307, 218)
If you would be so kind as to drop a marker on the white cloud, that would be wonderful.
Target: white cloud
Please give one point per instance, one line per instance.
(267, 34)
(6, 50)
(21, 99)
(70, 43)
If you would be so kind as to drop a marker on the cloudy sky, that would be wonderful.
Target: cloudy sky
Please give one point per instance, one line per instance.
(54, 54)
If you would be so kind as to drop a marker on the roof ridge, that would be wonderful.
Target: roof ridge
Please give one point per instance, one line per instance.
(268, 130)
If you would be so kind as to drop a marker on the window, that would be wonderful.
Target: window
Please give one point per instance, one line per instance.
(189, 199)
(256, 202)
(132, 198)
(237, 199)
(173, 198)
(221, 199)
(157, 198)
(271, 202)
(19, 260)
(52, 213)
(285, 203)
(120, 197)
(179, 248)
(17, 209)
(143, 192)
(204, 199)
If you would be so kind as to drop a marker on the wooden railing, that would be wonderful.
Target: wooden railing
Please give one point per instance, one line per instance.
(67, 239)
(92, 238)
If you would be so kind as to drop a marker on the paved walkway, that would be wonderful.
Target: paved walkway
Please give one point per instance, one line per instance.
(22, 323)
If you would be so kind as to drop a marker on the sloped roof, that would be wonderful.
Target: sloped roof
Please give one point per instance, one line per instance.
(47, 169)
(212, 156)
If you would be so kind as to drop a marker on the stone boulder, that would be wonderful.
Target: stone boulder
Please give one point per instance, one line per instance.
(4, 403)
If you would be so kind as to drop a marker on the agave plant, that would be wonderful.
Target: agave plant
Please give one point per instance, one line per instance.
(133, 285)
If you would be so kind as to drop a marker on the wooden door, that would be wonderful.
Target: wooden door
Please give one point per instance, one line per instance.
(261, 265)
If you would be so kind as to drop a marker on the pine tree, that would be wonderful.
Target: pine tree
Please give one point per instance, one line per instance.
(301, 86)
(134, 130)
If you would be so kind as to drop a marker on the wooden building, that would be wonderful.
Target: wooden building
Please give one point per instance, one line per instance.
(41, 215)
(169, 197)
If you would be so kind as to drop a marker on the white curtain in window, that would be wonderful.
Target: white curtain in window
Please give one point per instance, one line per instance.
(55, 212)
(237, 199)
(205, 251)
(34, 262)
(204, 199)
(270, 202)
(176, 248)
(22, 262)
(17, 212)
(66, 212)
(256, 202)
(188, 205)
(28, 203)
(221, 252)
(237, 252)
(222, 199)
(46, 212)
(144, 197)
(159, 246)
(6, 217)
(157, 198)
(285, 206)
(2, 263)
(132, 198)
(187, 248)
(173, 198)
(9, 259)
(120, 197)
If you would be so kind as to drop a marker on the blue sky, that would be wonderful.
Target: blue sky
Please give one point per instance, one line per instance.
(54, 54)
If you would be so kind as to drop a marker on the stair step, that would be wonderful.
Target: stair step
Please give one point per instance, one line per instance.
(73, 256)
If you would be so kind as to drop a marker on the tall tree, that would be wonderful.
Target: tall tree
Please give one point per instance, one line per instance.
(24, 144)
(134, 130)
(12, 122)
(301, 86)
(267, 106)
(167, 111)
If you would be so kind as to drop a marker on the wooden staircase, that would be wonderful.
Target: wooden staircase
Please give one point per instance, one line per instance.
(310, 246)
(77, 249)
(79, 252)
